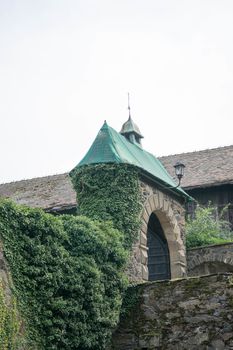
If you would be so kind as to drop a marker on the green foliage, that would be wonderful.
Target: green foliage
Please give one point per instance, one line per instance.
(110, 192)
(206, 229)
(131, 300)
(9, 324)
(68, 276)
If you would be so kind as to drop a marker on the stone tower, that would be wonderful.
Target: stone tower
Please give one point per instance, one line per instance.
(159, 252)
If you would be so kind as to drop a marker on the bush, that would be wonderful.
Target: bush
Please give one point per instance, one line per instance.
(206, 229)
(68, 276)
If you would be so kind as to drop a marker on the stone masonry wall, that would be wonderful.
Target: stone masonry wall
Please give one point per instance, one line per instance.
(211, 259)
(147, 190)
(171, 215)
(194, 313)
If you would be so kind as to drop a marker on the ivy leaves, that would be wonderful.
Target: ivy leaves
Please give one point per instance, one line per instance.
(110, 192)
(68, 271)
(68, 276)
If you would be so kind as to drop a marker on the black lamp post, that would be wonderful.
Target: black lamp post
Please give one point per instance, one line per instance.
(179, 170)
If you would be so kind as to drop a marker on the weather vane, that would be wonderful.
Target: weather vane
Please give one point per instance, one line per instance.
(129, 106)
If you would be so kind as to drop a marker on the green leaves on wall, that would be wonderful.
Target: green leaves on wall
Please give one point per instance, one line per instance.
(68, 276)
(68, 271)
(110, 192)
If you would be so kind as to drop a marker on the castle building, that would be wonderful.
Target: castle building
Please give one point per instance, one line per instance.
(159, 253)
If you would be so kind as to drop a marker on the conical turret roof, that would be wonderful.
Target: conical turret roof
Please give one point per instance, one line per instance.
(111, 147)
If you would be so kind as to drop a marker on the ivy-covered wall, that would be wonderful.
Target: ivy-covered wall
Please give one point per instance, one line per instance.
(110, 192)
(10, 337)
(68, 277)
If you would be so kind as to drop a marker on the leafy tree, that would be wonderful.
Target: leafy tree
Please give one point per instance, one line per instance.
(207, 228)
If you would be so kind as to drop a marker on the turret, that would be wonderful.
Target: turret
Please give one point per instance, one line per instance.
(130, 130)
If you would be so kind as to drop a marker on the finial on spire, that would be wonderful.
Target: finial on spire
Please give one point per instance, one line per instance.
(129, 106)
(130, 130)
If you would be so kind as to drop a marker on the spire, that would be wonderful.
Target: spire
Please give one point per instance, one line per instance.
(129, 107)
(130, 130)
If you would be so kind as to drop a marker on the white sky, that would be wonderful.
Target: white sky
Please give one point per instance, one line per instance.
(67, 65)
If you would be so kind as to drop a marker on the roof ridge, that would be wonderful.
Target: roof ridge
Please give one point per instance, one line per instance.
(33, 178)
(192, 152)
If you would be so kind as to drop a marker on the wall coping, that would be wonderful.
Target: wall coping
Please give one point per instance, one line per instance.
(174, 280)
(210, 245)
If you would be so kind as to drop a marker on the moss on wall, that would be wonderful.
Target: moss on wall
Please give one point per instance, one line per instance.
(194, 313)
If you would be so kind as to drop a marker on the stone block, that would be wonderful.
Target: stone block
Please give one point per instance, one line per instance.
(144, 256)
(151, 201)
(143, 238)
(218, 344)
(156, 202)
(161, 199)
(145, 216)
(144, 273)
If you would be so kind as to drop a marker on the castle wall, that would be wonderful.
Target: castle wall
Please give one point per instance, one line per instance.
(212, 259)
(193, 313)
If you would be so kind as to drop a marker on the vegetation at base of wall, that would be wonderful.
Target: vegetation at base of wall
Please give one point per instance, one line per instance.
(9, 324)
(131, 299)
(110, 192)
(68, 276)
(207, 229)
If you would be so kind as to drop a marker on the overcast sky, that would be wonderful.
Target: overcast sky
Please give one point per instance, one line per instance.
(67, 65)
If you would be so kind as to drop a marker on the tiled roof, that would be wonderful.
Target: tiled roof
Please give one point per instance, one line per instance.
(203, 169)
(50, 192)
(206, 168)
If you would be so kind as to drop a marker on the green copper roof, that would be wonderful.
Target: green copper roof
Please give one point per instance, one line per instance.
(111, 147)
(129, 126)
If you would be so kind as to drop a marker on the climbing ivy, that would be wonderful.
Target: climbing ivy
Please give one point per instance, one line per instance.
(68, 271)
(68, 276)
(110, 192)
(9, 323)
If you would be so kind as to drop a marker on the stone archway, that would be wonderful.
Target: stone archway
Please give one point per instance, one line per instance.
(160, 205)
(210, 259)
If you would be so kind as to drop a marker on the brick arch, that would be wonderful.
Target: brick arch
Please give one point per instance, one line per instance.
(161, 207)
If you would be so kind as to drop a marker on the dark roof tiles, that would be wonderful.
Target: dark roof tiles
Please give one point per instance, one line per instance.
(203, 169)
(50, 192)
(206, 168)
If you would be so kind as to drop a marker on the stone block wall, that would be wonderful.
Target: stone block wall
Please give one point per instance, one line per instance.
(171, 215)
(194, 313)
(211, 259)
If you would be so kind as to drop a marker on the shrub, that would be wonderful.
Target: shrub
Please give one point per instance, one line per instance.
(68, 276)
(206, 229)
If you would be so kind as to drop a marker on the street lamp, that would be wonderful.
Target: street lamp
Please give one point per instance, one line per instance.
(179, 170)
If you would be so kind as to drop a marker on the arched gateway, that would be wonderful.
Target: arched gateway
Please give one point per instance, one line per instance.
(161, 237)
(158, 252)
